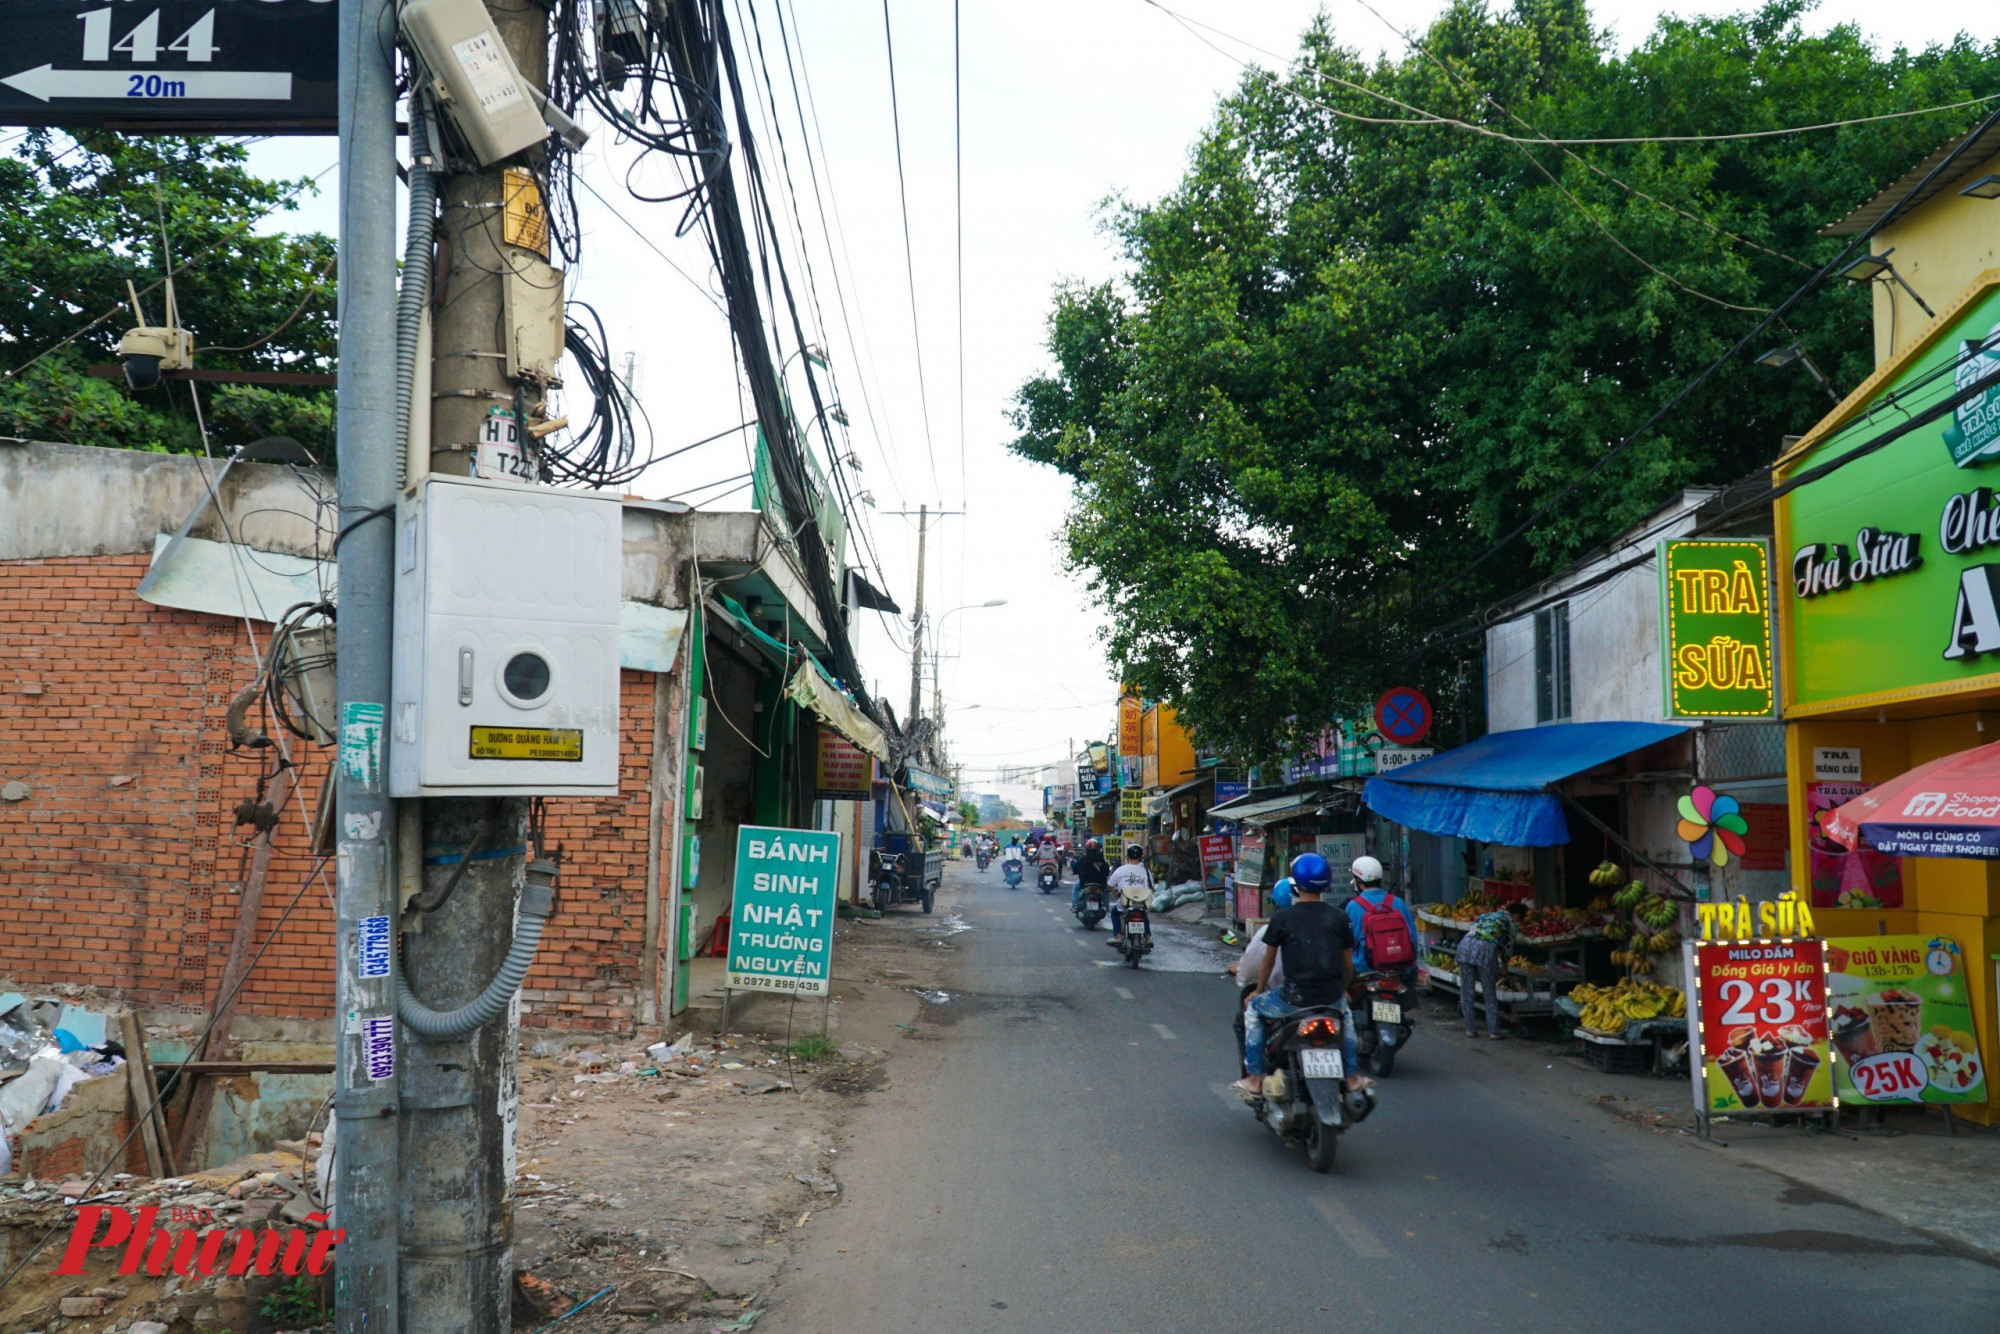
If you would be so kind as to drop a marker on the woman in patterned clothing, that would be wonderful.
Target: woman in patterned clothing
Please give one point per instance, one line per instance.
(1481, 958)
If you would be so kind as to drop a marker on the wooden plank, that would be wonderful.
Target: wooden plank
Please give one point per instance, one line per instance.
(144, 1114)
(258, 1068)
(135, 1054)
(201, 1095)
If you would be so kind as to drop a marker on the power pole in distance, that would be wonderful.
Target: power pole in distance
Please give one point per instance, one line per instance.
(917, 624)
(459, 1093)
(366, 1191)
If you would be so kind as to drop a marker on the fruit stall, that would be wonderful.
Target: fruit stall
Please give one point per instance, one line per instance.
(1633, 1026)
(1548, 952)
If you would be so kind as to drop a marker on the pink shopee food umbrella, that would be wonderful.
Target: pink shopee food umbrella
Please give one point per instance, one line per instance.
(1947, 808)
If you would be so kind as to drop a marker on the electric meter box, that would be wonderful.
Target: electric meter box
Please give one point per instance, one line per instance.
(506, 655)
(474, 77)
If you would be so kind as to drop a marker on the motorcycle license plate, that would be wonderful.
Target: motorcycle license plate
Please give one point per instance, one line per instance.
(1321, 1062)
(1386, 1012)
(1135, 928)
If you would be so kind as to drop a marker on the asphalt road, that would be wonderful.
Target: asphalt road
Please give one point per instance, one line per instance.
(1058, 1153)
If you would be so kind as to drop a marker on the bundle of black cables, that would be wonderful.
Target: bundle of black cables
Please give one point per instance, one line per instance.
(608, 449)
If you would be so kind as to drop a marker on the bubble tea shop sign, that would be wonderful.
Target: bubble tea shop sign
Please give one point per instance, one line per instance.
(1716, 627)
(781, 926)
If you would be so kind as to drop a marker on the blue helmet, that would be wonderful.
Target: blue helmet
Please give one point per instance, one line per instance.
(1311, 874)
(1281, 893)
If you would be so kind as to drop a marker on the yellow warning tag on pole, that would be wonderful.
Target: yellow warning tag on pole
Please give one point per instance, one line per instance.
(524, 219)
(528, 743)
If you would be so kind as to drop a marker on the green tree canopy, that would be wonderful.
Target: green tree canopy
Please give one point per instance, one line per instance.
(83, 216)
(1344, 357)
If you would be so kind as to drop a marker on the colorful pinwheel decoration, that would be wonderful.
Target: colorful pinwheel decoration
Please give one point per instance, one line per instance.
(1712, 825)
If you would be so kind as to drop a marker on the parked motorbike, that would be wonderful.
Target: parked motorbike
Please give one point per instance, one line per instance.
(1012, 870)
(1090, 906)
(1048, 878)
(1305, 1100)
(1381, 1003)
(1133, 941)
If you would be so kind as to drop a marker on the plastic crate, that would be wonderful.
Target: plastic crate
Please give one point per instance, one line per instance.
(1618, 1058)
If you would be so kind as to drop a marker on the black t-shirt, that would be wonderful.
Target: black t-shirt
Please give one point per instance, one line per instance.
(1092, 869)
(1310, 938)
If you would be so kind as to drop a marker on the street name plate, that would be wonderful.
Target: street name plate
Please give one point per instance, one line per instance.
(781, 922)
(172, 66)
(528, 743)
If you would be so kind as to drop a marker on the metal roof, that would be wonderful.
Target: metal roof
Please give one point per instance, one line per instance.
(1985, 143)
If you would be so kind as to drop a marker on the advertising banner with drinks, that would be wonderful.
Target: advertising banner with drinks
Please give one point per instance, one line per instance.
(1901, 1020)
(1761, 1010)
(1846, 878)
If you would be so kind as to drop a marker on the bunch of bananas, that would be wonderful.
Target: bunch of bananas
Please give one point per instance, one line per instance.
(1656, 912)
(1607, 875)
(1630, 896)
(1610, 1010)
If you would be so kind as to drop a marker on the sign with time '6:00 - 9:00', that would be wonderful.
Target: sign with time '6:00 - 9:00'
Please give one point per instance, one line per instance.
(1715, 627)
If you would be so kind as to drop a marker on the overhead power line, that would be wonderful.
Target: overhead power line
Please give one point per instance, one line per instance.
(1420, 117)
(909, 258)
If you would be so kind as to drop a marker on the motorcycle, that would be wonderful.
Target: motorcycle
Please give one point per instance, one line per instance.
(1305, 1100)
(985, 860)
(1133, 941)
(1382, 1003)
(1049, 878)
(1012, 870)
(1089, 906)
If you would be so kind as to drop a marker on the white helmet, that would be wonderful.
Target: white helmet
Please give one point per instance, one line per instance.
(1367, 870)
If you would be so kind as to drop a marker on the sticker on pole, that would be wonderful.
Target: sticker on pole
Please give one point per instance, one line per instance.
(378, 1045)
(1403, 715)
(781, 924)
(361, 744)
(372, 944)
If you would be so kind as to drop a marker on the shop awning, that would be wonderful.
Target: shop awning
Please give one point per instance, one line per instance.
(810, 688)
(1270, 810)
(1495, 790)
(1947, 808)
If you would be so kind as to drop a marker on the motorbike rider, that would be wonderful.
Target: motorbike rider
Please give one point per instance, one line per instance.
(1130, 883)
(1368, 917)
(1317, 946)
(1091, 869)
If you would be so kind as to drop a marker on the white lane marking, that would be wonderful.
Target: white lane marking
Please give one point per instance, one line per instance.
(1166, 1034)
(1110, 963)
(1123, 994)
(1079, 942)
(1351, 1229)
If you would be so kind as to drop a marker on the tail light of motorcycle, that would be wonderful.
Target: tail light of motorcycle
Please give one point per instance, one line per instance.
(1388, 984)
(1320, 1026)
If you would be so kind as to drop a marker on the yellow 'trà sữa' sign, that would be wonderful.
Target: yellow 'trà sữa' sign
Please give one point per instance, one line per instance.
(1715, 628)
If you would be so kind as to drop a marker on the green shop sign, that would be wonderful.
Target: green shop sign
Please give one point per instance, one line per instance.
(781, 926)
(1715, 613)
(1894, 587)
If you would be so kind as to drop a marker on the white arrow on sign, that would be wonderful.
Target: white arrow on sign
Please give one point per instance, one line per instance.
(46, 81)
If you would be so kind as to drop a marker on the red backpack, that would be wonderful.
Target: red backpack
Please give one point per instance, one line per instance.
(1386, 935)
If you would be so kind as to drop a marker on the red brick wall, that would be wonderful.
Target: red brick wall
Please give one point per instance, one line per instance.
(131, 887)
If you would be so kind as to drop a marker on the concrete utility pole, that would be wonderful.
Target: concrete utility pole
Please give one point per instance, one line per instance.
(365, 1084)
(917, 623)
(459, 1094)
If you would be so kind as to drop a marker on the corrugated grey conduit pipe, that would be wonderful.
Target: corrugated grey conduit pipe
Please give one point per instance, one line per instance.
(416, 285)
(537, 903)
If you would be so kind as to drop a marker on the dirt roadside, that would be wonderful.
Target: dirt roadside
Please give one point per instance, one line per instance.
(680, 1185)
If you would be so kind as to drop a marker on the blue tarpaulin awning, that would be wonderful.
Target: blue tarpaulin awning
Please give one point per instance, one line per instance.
(1496, 789)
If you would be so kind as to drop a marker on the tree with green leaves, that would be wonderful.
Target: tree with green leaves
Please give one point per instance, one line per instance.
(968, 811)
(1376, 325)
(84, 216)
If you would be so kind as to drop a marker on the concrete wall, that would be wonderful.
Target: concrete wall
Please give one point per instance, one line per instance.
(1941, 247)
(1614, 634)
(77, 500)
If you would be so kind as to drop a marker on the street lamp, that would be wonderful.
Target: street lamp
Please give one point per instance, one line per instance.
(1791, 352)
(1870, 267)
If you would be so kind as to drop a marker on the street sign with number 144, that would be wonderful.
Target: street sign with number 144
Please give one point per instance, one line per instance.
(172, 66)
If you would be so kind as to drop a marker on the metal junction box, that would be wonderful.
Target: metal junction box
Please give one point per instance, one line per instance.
(506, 657)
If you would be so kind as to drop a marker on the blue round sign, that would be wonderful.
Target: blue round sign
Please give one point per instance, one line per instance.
(1403, 715)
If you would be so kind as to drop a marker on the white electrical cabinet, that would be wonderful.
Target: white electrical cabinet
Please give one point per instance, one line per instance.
(506, 655)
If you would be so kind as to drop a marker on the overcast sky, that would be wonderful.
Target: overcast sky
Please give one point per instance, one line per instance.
(1066, 103)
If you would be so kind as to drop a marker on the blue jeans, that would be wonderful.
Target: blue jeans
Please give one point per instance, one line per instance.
(1270, 1005)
